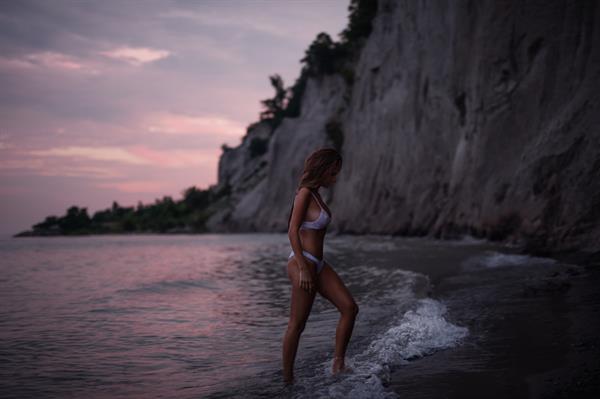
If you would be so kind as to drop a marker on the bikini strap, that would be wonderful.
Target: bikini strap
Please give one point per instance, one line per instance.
(314, 196)
(318, 202)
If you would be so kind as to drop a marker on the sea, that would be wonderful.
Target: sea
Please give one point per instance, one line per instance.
(203, 316)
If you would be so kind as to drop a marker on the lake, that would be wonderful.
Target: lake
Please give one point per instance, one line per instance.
(192, 316)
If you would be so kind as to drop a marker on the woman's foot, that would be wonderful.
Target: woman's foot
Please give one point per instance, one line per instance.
(288, 380)
(338, 365)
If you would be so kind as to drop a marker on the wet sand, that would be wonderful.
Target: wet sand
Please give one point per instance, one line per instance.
(533, 334)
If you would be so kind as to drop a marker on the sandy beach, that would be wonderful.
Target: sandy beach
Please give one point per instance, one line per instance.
(533, 334)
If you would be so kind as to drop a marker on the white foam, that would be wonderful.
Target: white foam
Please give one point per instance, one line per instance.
(493, 259)
(419, 332)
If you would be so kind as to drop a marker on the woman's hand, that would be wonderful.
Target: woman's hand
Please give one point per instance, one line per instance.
(306, 279)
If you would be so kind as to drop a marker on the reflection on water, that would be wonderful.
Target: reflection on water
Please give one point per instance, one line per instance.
(197, 316)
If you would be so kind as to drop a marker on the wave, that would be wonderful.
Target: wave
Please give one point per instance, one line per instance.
(419, 332)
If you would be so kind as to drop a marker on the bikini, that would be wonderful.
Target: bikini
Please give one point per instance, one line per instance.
(319, 224)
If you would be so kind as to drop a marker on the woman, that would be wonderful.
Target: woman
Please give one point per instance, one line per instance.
(307, 270)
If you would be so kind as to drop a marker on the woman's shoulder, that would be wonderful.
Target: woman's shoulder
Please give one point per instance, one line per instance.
(303, 193)
(303, 190)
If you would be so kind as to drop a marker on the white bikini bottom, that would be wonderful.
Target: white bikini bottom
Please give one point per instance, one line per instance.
(318, 262)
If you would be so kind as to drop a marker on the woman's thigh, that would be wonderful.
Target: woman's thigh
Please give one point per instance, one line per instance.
(331, 287)
(302, 300)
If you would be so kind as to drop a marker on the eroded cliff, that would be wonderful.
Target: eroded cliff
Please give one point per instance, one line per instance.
(477, 117)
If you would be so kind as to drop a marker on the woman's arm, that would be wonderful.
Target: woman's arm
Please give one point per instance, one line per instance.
(298, 211)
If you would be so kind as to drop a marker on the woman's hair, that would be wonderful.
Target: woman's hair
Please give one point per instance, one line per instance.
(315, 167)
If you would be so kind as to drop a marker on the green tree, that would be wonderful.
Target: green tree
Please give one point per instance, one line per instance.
(322, 55)
(294, 95)
(360, 21)
(195, 198)
(75, 220)
(47, 223)
(274, 107)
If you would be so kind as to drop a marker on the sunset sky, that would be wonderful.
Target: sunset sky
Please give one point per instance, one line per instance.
(131, 100)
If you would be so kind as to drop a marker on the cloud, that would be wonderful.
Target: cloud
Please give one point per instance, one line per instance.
(26, 164)
(4, 141)
(172, 123)
(113, 165)
(47, 60)
(54, 60)
(80, 171)
(136, 55)
(244, 19)
(139, 186)
(176, 158)
(46, 167)
(135, 155)
(115, 154)
(233, 21)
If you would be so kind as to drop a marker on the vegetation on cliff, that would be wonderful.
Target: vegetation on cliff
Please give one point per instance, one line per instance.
(323, 57)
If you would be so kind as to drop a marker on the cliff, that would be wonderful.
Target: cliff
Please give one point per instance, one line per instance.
(477, 117)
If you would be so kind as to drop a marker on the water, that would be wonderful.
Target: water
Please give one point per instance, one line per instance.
(204, 315)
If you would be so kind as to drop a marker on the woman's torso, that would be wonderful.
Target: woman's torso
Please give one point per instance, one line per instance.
(312, 239)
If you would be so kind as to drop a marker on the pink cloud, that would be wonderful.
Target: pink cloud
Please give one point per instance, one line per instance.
(48, 60)
(176, 158)
(172, 123)
(115, 154)
(106, 162)
(136, 55)
(56, 167)
(138, 186)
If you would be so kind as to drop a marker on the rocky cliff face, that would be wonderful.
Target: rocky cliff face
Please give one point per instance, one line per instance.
(477, 117)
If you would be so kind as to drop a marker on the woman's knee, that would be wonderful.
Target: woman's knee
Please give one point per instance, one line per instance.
(350, 309)
(296, 326)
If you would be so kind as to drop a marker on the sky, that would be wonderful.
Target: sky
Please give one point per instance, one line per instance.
(129, 101)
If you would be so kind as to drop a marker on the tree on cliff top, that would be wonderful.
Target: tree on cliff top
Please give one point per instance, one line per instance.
(324, 56)
(275, 106)
(360, 20)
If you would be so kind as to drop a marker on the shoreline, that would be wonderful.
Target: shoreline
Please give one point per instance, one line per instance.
(532, 333)
(576, 256)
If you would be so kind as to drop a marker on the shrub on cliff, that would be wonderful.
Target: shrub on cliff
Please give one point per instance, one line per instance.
(324, 56)
(274, 107)
(360, 21)
(258, 147)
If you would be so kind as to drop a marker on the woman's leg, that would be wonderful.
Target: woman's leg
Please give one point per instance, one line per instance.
(331, 286)
(301, 304)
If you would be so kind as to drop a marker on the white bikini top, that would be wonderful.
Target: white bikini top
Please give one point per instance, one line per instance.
(321, 222)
